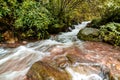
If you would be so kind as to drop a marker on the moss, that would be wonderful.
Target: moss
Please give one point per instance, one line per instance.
(89, 34)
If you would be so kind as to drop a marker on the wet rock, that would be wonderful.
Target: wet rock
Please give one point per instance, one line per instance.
(75, 58)
(89, 34)
(24, 42)
(43, 71)
(61, 61)
(106, 74)
(56, 50)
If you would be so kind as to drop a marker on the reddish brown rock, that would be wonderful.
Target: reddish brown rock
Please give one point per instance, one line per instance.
(43, 71)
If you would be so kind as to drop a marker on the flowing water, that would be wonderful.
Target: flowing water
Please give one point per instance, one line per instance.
(15, 62)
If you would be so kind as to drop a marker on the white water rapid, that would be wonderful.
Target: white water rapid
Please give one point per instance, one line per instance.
(78, 76)
(23, 57)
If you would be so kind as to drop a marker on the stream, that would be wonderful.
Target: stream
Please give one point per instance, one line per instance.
(69, 55)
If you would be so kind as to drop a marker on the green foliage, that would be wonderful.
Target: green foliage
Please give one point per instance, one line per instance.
(113, 16)
(32, 14)
(110, 33)
(38, 18)
(90, 9)
(109, 23)
(110, 14)
(28, 17)
(63, 12)
(4, 9)
(33, 19)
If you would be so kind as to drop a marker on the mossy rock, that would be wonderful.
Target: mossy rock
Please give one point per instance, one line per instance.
(109, 33)
(43, 71)
(89, 34)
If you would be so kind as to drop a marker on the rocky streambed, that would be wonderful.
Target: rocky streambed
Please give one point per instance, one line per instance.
(62, 57)
(94, 61)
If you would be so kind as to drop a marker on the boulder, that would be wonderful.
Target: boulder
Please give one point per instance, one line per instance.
(43, 71)
(89, 34)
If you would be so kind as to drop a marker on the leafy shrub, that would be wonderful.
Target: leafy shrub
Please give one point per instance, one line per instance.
(38, 18)
(63, 13)
(33, 19)
(28, 18)
(3, 8)
(110, 33)
(111, 14)
(7, 12)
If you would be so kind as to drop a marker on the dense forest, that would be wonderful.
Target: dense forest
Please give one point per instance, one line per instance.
(37, 19)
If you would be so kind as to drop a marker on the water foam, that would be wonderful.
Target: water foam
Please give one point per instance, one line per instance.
(21, 59)
(14, 75)
(78, 76)
(71, 36)
(2, 51)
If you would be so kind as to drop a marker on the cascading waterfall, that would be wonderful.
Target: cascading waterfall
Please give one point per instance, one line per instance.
(15, 63)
